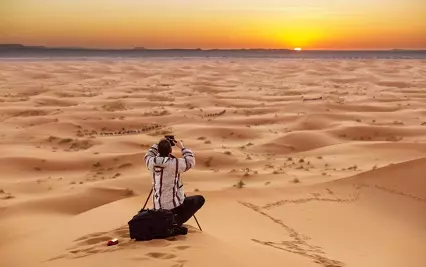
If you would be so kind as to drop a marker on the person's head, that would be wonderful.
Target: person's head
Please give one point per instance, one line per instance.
(164, 148)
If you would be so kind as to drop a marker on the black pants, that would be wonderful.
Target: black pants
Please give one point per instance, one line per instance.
(188, 208)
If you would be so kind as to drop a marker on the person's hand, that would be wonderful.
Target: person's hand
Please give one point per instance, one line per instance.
(179, 144)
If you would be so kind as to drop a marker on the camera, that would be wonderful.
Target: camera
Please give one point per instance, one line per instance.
(171, 139)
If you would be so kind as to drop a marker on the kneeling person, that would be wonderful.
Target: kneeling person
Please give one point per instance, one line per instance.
(168, 192)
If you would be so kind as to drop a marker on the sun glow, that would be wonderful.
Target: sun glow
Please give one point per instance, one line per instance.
(298, 49)
(270, 24)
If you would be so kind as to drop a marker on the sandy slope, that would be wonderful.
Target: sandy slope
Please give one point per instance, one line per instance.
(331, 155)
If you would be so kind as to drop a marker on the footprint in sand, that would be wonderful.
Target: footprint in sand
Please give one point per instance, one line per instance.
(98, 237)
(160, 255)
(159, 243)
(91, 250)
(182, 247)
(57, 257)
(122, 232)
(97, 234)
(139, 258)
(95, 243)
(95, 240)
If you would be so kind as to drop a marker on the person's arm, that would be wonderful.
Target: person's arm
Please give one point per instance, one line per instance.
(150, 155)
(188, 160)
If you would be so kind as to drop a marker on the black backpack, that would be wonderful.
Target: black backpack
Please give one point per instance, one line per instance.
(152, 224)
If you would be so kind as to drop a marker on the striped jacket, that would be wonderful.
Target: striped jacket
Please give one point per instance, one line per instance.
(165, 171)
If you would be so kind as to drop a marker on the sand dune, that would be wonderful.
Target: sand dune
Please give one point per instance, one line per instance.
(302, 162)
(407, 179)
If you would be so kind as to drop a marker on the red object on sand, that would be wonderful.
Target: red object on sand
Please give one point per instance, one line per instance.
(112, 242)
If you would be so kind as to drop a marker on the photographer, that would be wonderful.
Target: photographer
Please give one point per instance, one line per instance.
(167, 185)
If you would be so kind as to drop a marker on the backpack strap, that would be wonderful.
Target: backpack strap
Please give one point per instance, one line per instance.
(177, 167)
(175, 184)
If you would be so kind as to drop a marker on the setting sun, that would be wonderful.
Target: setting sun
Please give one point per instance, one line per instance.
(319, 24)
(298, 49)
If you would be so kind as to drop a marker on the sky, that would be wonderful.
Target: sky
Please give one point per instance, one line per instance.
(223, 24)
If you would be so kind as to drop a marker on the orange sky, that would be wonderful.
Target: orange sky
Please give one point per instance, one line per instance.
(310, 24)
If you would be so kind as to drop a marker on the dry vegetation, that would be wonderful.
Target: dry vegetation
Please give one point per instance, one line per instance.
(114, 106)
(240, 184)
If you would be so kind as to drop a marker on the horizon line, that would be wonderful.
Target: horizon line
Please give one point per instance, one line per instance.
(141, 48)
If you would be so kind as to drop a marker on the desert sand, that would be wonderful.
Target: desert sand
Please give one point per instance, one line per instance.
(301, 162)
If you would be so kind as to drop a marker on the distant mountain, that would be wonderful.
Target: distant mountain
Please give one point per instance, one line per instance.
(18, 47)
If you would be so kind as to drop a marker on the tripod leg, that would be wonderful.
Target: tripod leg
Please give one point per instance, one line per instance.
(147, 199)
(197, 223)
(195, 218)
